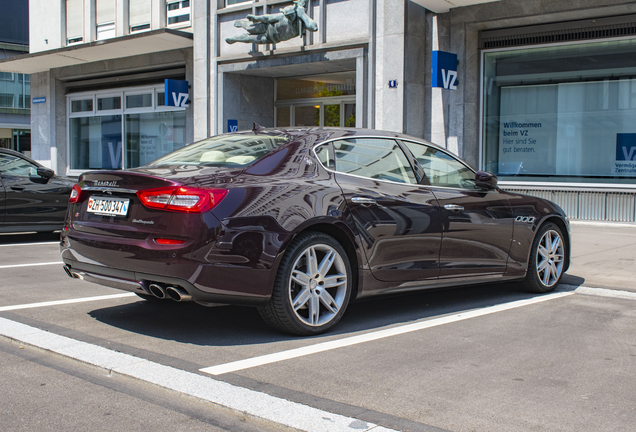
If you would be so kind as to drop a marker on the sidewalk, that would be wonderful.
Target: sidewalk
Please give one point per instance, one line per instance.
(603, 256)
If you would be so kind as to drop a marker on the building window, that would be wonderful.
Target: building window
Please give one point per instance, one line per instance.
(105, 19)
(115, 136)
(74, 21)
(233, 2)
(139, 15)
(15, 92)
(106, 31)
(561, 113)
(178, 12)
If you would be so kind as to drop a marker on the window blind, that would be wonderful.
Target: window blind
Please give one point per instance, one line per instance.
(105, 11)
(139, 12)
(74, 19)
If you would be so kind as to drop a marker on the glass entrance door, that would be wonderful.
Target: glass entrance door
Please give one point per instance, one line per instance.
(330, 114)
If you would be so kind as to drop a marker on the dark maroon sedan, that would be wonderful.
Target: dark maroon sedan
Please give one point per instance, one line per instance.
(300, 222)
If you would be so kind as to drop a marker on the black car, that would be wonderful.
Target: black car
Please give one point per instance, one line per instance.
(32, 197)
(300, 222)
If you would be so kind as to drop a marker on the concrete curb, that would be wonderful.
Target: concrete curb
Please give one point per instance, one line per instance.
(301, 417)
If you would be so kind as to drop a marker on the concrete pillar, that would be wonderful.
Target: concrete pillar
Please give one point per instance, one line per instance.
(158, 14)
(122, 15)
(201, 68)
(389, 65)
(90, 21)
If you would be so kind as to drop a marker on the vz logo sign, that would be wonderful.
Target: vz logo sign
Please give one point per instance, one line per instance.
(181, 99)
(444, 74)
(177, 93)
(625, 147)
(525, 219)
(449, 79)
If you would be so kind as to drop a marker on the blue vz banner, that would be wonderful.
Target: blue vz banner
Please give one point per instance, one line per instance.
(626, 146)
(177, 93)
(444, 70)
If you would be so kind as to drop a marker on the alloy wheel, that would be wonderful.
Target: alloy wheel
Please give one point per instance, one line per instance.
(318, 285)
(550, 256)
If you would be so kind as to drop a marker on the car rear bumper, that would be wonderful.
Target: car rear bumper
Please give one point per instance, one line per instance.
(140, 283)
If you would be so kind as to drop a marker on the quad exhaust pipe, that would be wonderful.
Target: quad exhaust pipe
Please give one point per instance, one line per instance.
(175, 293)
(178, 294)
(159, 290)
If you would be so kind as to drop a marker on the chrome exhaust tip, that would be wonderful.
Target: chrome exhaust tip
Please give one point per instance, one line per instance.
(67, 269)
(157, 291)
(178, 294)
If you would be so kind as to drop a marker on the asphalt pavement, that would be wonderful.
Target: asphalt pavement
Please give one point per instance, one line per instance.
(603, 255)
(75, 355)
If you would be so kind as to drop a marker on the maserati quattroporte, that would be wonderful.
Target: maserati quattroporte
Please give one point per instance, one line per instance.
(301, 222)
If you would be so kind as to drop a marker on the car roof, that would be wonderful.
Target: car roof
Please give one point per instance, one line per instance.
(329, 133)
(18, 154)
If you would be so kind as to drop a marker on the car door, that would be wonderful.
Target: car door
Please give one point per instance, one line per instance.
(398, 220)
(477, 223)
(30, 199)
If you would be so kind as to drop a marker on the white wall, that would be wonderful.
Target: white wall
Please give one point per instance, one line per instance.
(46, 25)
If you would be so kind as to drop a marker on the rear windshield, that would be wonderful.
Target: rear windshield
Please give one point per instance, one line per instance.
(223, 150)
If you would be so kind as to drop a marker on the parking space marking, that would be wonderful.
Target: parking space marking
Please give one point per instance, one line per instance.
(64, 302)
(30, 265)
(292, 414)
(373, 336)
(30, 244)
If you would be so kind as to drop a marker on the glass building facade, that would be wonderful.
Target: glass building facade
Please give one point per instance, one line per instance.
(561, 113)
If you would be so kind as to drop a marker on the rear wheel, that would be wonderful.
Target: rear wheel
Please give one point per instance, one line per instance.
(547, 258)
(312, 287)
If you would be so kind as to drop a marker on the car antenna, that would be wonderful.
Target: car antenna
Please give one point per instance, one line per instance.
(257, 128)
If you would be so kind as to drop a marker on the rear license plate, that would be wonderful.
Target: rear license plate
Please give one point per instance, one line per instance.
(107, 206)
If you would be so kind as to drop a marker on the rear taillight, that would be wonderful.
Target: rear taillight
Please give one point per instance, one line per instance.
(76, 193)
(169, 242)
(182, 199)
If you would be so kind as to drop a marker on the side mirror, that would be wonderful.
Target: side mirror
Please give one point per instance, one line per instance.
(485, 180)
(46, 173)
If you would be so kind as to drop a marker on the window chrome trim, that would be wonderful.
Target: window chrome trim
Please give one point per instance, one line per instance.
(359, 176)
(396, 139)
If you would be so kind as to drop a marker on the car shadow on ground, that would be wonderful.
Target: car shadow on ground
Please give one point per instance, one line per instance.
(233, 325)
(29, 237)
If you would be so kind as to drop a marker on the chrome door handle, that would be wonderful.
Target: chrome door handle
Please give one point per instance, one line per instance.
(453, 207)
(363, 200)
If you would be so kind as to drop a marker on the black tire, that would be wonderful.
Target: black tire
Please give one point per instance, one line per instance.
(545, 267)
(319, 307)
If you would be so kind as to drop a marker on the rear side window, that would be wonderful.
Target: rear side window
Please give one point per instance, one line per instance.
(374, 158)
(224, 150)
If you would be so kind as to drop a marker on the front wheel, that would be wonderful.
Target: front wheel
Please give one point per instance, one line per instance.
(547, 258)
(312, 287)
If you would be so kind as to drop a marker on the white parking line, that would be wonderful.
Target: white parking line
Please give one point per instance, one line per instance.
(31, 265)
(63, 302)
(292, 414)
(368, 337)
(30, 244)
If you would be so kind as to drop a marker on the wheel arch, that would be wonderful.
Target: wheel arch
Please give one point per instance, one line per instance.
(346, 240)
(566, 236)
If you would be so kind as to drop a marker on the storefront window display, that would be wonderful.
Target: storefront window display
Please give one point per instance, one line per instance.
(115, 137)
(561, 113)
